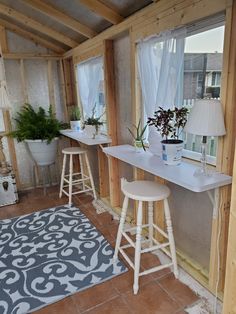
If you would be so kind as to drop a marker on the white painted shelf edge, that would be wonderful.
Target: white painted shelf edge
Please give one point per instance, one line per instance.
(182, 175)
(81, 137)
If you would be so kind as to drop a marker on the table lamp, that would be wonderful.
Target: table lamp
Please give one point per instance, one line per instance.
(205, 119)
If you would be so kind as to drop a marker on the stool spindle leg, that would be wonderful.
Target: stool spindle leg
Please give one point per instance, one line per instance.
(70, 180)
(62, 175)
(82, 170)
(138, 247)
(171, 237)
(121, 227)
(150, 223)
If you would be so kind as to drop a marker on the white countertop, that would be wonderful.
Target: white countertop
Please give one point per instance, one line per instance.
(181, 175)
(81, 137)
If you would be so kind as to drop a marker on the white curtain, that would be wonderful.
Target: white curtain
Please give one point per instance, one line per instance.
(160, 65)
(89, 77)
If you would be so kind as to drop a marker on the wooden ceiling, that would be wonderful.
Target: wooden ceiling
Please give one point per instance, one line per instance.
(61, 25)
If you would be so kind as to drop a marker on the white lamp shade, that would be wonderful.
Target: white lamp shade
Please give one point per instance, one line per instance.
(206, 118)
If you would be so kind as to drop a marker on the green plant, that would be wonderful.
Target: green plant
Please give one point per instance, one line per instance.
(170, 122)
(139, 133)
(94, 121)
(38, 124)
(75, 114)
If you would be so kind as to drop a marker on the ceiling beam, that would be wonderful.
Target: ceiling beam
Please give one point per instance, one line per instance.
(61, 17)
(32, 23)
(101, 9)
(28, 35)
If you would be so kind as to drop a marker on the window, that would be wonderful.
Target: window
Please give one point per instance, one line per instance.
(90, 76)
(203, 51)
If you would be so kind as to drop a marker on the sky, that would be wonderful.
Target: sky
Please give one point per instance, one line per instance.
(209, 41)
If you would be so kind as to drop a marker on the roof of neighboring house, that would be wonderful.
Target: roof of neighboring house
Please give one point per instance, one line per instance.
(194, 62)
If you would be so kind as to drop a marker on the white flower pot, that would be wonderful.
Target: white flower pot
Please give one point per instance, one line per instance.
(90, 131)
(75, 125)
(42, 153)
(172, 151)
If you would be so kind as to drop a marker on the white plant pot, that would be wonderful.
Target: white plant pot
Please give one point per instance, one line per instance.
(75, 125)
(172, 152)
(90, 131)
(42, 153)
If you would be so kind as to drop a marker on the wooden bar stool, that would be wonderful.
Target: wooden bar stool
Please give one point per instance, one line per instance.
(145, 191)
(79, 179)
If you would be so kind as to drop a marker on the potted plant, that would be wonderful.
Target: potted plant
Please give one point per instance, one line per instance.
(40, 131)
(138, 136)
(75, 117)
(92, 124)
(170, 124)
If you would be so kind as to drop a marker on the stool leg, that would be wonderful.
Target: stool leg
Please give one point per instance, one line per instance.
(82, 170)
(70, 180)
(121, 227)
(171, 237)
(90, 176)
(138, 247)
(62, 175)
(150, 222)
(49, 175)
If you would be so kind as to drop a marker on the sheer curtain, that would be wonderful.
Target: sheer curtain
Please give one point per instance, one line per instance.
(160, 65)
(90, 74)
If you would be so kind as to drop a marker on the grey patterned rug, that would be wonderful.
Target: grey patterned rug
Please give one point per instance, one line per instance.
(48, 255)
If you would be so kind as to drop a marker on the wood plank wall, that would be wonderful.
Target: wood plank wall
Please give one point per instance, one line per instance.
(164, 15)
(49, 59)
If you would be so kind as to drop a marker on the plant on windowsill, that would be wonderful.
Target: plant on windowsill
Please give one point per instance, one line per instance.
(75, 116)
(92, 124)
(40, 131)
(170, 124)
(138, 136)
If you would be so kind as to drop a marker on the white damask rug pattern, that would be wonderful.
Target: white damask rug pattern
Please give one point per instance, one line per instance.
(48, 255)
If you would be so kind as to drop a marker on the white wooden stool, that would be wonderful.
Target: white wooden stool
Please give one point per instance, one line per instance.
(78, 179)
(145, 191)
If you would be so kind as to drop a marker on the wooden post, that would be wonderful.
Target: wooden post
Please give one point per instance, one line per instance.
(50, 86)
(11, 146)
(63, 88)
(103, 173)
(22, 76)
(110, 96)
(229, 306)
(226, 148)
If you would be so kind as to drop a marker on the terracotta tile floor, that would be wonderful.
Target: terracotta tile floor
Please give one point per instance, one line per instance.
(159, 292)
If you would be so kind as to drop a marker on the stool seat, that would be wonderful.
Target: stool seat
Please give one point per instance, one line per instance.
(73, 150)
(148, 191)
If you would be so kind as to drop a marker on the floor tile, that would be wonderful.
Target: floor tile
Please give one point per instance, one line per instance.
(64, 306)
(93, 296)
(124, 283)
(180, 292)
(151, 299)
(114, 306)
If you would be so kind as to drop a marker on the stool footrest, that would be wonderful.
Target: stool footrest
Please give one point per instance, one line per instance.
(155, 247)
(126, 257)
(158, 229)
(153, 269)
(163, 249)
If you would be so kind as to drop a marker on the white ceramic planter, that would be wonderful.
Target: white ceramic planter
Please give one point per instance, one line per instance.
(43, 154)
(75, 125)
(90, 131)
(172, 152)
